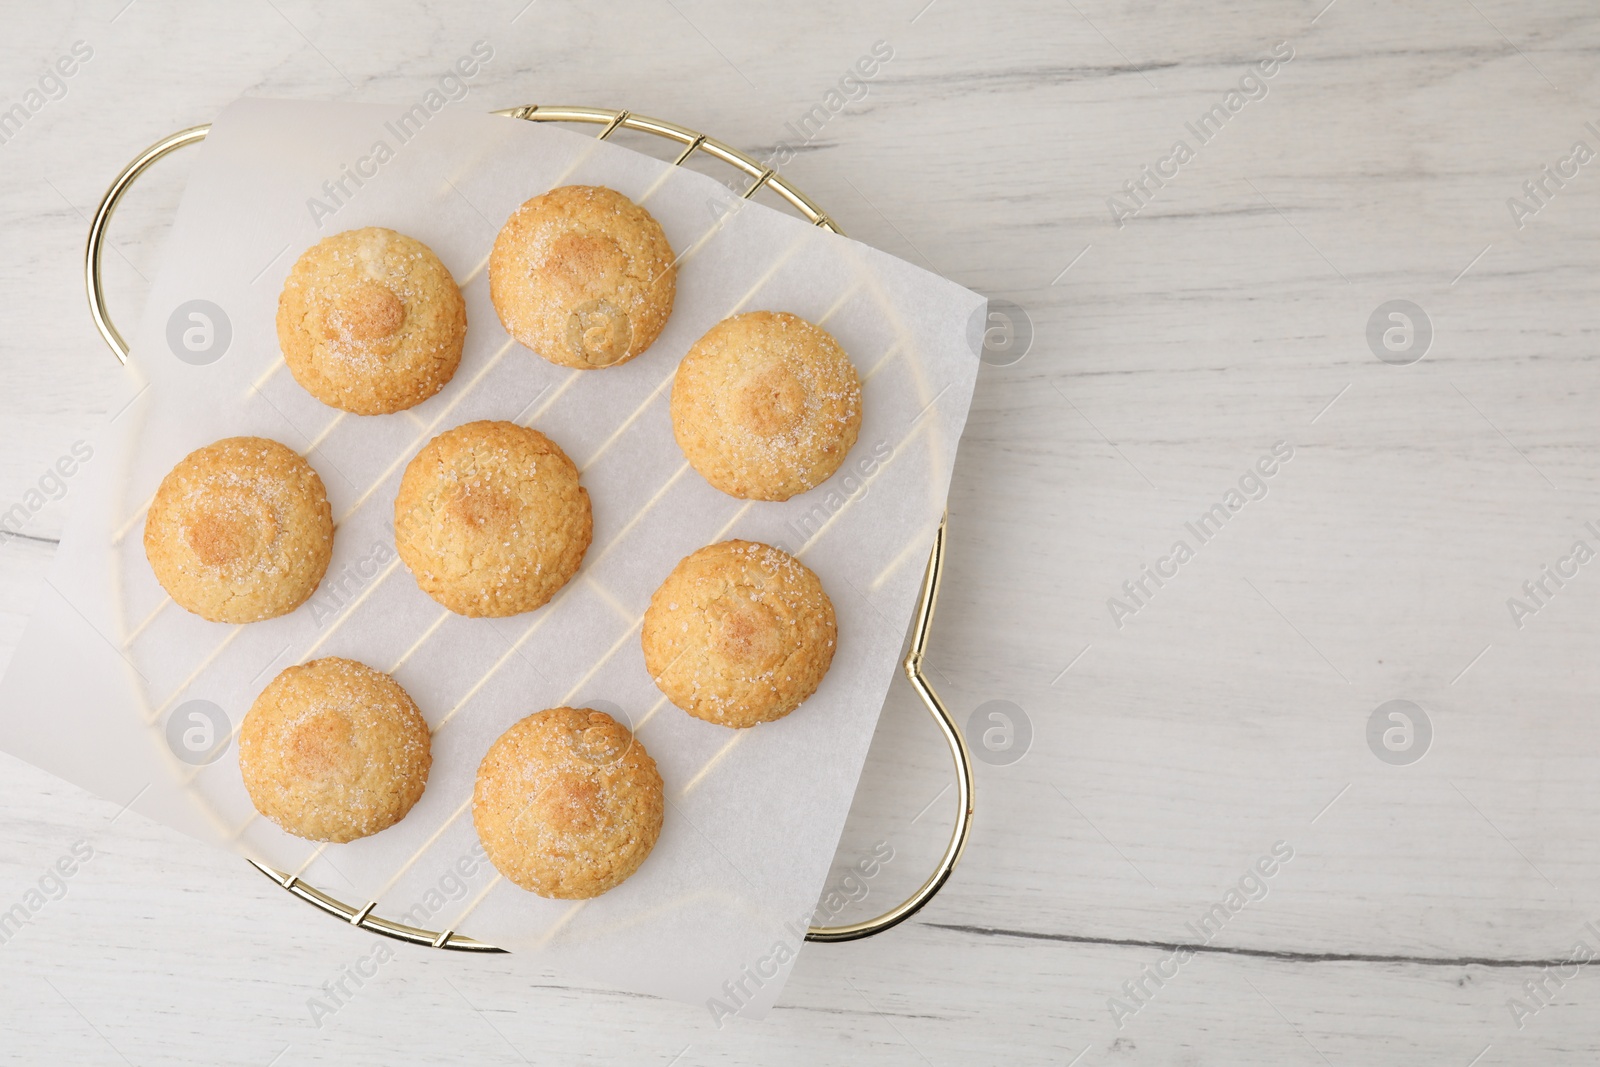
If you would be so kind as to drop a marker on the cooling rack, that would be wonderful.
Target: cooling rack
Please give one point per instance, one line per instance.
(760, 177)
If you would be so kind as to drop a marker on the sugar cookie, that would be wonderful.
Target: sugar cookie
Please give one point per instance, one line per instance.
(766, 405)
(371, 322)
(491, 520)
(333, 750)
(568, 803)
(583, 276)
(740, 633)
(240, 531)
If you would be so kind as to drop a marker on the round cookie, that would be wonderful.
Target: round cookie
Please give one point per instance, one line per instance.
(333, 750)
(371, 322)
(583, 276)
(568, 803)
(491, 520)
(740, 633)
(766, 405)
(240, 531)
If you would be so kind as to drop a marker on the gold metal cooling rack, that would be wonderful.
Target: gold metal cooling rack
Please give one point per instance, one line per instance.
(761, 177)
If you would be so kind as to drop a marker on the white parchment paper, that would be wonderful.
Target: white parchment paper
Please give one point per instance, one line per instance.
(105, 687)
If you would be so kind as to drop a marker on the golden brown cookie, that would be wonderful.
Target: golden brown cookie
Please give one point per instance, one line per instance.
(240, 531)
(766, 405)
(740, 633)
(371, 322)
(583, 276)
(568, 803)
(333, 750)
(491, 520)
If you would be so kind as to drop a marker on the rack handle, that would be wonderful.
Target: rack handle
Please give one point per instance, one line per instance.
(102, 218)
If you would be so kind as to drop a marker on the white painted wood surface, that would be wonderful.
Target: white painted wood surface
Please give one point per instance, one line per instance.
(1229, 713)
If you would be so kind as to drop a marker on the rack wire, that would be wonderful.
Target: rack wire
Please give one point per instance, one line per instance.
(760, 177)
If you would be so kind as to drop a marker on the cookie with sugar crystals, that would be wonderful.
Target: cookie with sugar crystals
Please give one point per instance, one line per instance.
(740, 633)
(766, 405)
(490, 519)
(568, 804)
(240, 531)
(371, 322)
(333, 750)
(583, 276)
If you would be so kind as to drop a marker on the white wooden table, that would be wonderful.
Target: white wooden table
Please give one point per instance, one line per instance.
(1176, 739)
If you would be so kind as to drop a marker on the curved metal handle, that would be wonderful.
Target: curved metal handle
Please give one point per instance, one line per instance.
(102, 218)
(958, 751)
(762, 176)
